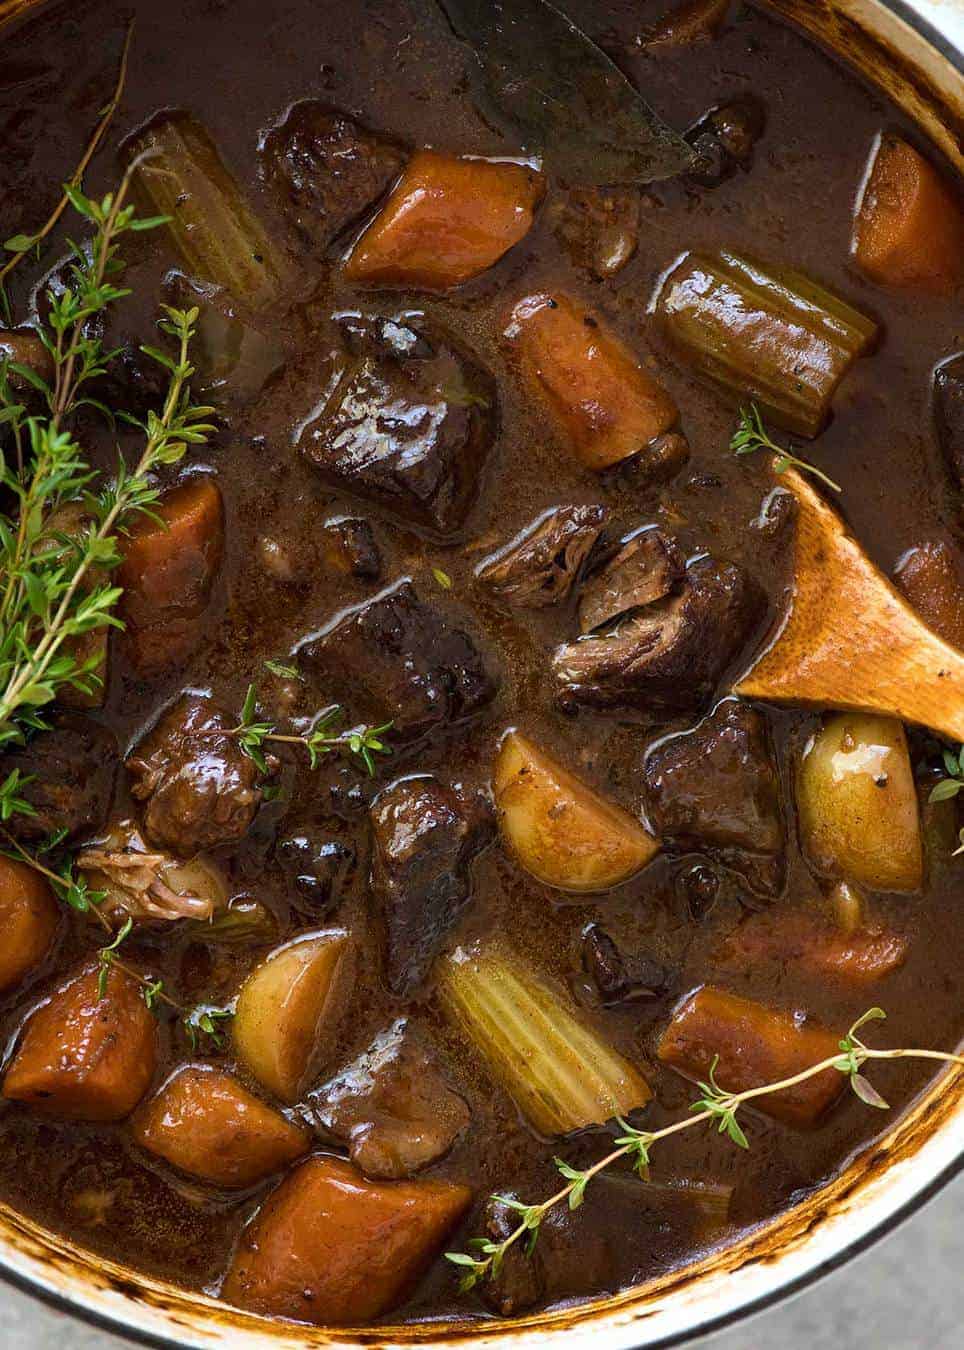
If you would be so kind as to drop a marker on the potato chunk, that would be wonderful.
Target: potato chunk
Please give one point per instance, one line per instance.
(289, 1008)
(559, 829)
(329, 1247)
(206, 1124)
(83, 1057)
(858, 808)
(168, 572)
(29, 918)
(606, 404)
(755, 1045)
(446, 221)
(909, 228)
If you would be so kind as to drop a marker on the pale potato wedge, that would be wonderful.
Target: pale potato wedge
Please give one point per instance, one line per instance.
(857, 801)
(289, 1009)
(560, 830)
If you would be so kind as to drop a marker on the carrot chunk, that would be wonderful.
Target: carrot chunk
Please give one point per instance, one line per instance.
(29, 917)
(805, 941)
(608, 406)
(329, 1247)
(932, 578)
(909, 228)
(755, 1045)
(84, 1057)
(206, 1124)
(447, 220)
(167, 574)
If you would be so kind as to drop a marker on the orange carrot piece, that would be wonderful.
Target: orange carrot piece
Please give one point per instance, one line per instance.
(808, 943)
(206, 1124)
(932, 578)
(755, 1045)
(446, 221)
(83, 1057)
(29, 918)
(167, 574)
(606, 403)
(909, 227)
(329, 1247)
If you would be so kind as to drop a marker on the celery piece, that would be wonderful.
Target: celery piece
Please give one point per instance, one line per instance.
(559, 1073)
(769, 334)
(179, 172)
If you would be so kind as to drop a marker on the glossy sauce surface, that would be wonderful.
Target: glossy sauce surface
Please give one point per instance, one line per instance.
(395, 68)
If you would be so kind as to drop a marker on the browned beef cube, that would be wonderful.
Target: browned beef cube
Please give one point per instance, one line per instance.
(326, 169)
(425, 837)
(669, 654)
(198, 788)
(717, 787)
(417, 672)
(647, 568)
(71, 770)
(540, 566)
(406, 419)
(392, 1107)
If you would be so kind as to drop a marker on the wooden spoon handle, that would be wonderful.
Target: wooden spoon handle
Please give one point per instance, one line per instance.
(848, 639)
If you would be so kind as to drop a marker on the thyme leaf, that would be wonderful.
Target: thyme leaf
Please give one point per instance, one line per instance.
(716, 1106)
(751, 435)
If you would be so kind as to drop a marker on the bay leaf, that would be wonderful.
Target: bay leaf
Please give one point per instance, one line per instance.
(541, 75)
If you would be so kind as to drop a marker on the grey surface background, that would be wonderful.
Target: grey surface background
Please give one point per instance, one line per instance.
(906, 1293)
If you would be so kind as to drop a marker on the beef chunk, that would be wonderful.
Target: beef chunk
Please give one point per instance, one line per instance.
(666, 655)
(717, 787)
(72, 768)
(392, 1107)
(540, 566)
(24, 347)
(326, 169)
(949, 415)
(348, 546)
(418, 672)
(317, 868)
(931, 576)
(599, 228)
(197, 787)
(425, 836)
(724, 139)
(621, 977)
(646, 569)
(406, 419)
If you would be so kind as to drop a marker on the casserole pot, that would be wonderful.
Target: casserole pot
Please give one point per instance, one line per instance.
(914, 50)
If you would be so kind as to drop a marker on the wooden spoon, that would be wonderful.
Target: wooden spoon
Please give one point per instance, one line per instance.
(848, 638)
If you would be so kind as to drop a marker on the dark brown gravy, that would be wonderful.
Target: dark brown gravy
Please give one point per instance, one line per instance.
(390, 63)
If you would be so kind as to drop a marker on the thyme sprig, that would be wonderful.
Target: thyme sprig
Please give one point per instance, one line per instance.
(361, 743)
(715, 1106)
(22, 244)
(49, 595)
(945, 790)
(751, 435)
(203, 1020)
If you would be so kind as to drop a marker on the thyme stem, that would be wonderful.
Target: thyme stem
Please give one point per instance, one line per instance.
(716, 1105)
(77, 176)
